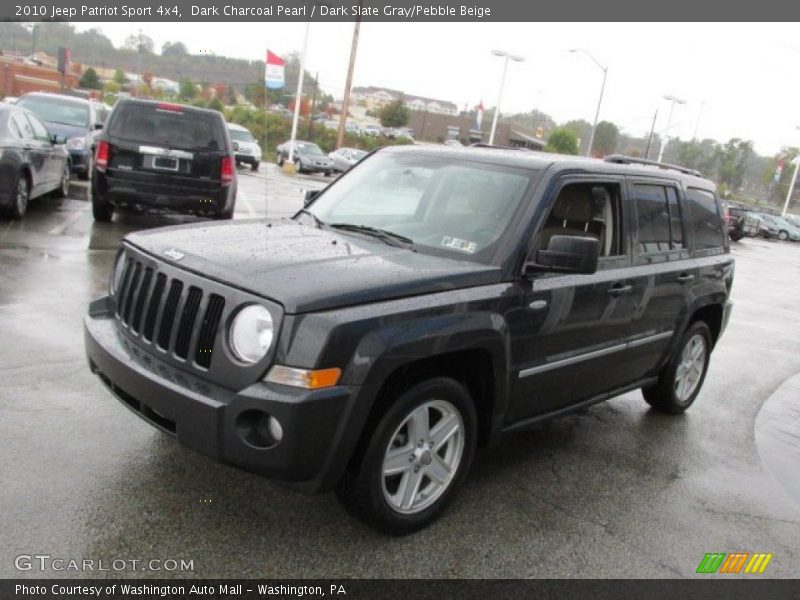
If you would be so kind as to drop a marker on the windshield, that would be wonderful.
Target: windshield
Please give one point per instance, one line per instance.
(167, 126)
(56, 110)
(240, 136)
(358, 154)
(444, 205)
(309, 149)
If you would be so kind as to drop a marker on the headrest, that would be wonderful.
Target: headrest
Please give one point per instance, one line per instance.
(574, 203)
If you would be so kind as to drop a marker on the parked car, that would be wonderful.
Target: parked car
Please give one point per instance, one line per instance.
(766, 229)
(308, 157)
(9, 100)
(741, 222)
(75, 122)
(793, 219)
(245, 147)
(31, 164)
(344, 158)
(429, 301)
(371, 130)
(786, 230)
(164, 157)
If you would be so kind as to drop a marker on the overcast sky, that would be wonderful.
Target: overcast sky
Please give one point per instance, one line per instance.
(741, 80)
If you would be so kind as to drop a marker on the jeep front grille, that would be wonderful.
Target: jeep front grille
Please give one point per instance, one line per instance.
(170, 311)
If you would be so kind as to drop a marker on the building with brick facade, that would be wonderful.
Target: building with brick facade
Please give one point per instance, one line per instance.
(433, 127)
(17, 78)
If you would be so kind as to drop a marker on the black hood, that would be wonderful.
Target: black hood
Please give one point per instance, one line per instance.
(308, 269)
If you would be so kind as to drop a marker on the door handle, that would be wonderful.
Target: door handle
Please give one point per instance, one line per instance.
(684, 278)
(619, 290)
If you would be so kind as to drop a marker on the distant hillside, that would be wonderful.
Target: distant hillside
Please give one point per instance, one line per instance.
(93, 48)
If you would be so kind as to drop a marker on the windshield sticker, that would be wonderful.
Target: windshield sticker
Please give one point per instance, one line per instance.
(459, 244)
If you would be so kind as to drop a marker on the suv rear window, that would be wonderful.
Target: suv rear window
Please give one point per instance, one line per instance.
(168, 126)
(706, 219)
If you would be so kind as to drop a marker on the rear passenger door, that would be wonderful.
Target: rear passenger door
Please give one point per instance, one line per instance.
(663, 270)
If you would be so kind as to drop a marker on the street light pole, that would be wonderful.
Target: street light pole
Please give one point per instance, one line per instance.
(796, 163)
(506, 56)
(340, 131)
(673, 101)
(599, 100)
(298, 97)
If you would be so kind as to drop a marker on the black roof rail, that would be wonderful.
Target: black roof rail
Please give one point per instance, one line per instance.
(632, 160)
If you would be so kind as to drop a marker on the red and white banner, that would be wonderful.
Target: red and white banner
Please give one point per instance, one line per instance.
(273, 73)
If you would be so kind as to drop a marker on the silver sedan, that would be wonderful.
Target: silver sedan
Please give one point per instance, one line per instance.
(344, 158)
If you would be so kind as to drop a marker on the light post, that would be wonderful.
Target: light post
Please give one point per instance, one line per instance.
(506, 56)
(298, 97)
(796, 163)
(673, 100)
(599, 100)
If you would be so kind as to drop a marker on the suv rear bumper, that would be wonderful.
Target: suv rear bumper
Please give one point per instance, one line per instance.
(208, 418)
(129, 191)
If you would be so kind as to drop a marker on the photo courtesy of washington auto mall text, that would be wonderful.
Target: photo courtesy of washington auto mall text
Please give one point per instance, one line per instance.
(392, 299)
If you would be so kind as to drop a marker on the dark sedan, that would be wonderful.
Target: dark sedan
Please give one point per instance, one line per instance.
(31, 165)
(308, 157)
(75, 121)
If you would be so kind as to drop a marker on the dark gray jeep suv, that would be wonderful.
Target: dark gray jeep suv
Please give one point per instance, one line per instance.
(429, 301)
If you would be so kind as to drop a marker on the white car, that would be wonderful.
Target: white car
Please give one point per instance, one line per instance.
(245, 147)
(372, 130)
(344, 158)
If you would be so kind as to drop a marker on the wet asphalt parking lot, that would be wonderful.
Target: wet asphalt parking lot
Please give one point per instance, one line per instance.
(617, 490)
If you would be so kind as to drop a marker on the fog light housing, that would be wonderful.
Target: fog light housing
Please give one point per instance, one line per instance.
(258, 429)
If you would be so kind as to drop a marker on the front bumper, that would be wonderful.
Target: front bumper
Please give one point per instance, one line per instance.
(207, 418)
(315, 168)
(247, 158)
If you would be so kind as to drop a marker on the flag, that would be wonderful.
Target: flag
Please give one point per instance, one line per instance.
(479, 115)
(273, 72)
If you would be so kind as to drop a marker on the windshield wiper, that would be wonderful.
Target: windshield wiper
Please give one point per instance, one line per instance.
(317, 221)
(391, 238)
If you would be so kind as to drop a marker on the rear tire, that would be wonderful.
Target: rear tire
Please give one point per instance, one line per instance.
(63, 188)
(426, 440)
(280, 160)
(680, 381)
(783, 236)
(102, 210)
(20, 196)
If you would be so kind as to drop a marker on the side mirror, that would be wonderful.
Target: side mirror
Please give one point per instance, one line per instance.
(567, 254)
(310, 195)
(56, 139)
(98, 125)
(235, 145)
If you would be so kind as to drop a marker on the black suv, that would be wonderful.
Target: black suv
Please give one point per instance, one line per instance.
(430, 300)
(165, 157)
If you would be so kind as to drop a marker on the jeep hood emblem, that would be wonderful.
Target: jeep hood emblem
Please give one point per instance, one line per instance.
(174, 254)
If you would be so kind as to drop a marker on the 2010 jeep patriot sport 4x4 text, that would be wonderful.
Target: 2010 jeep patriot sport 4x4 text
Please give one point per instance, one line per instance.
(430, 300)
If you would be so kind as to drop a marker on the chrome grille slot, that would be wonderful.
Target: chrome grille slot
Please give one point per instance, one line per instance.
(168, 318)
(126, 277)
(130, 293)
(152, 309)
(144, 289)
(208, 330)
(185, 326)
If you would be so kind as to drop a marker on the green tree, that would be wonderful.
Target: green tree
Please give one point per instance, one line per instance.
(394, 114)
(582, 130)
(562, 141)
(111, 87)
(89, 80)
(137, 43)
(230, 96)
(174, 49)
(119, 77)
(188, 89)
(731, 159)
(216, 104)
(606, 138)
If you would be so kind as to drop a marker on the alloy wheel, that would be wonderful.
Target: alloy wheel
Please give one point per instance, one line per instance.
(690, 369)
(423, 456)
(22, 195)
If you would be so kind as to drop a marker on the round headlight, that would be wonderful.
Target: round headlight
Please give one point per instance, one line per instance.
(116, 277)
(251, 333)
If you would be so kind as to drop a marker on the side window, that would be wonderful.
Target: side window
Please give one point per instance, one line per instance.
(586, 209)
(707, 228)
(23, 126)
(13, 127)
(659, 217)
(39, 130)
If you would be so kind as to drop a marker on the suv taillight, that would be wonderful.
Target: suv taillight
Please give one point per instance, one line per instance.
(101, 156)
(226, 170)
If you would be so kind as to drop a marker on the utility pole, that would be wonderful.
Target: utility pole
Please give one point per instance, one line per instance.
(673, 101)
(139, 68)
(313, 106)
(650, 139)
(349, 82)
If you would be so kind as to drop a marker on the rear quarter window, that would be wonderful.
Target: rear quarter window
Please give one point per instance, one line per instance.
(149, 124)
(707, 227)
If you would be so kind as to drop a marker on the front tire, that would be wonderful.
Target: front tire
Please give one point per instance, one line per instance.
(63, 188)
(254, 166)
(87, 173)
(783, 236)
(415, 459)
(680, 380)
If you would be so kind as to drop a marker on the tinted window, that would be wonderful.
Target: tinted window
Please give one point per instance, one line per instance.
(57, 110)
(23, 126)
(167, 126)
(675, 223)
(654, 218)
(240, 136)
(39, 130)
(706, 220)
